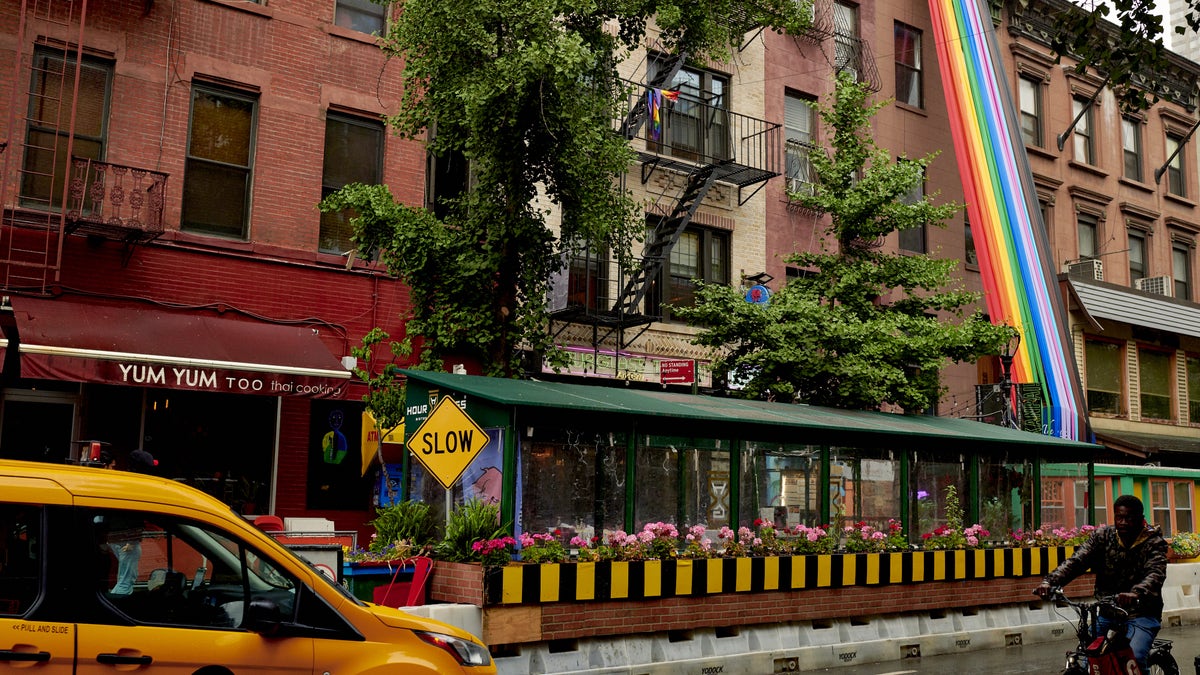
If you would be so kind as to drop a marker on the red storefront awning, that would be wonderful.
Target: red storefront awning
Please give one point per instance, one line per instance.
(141, 345)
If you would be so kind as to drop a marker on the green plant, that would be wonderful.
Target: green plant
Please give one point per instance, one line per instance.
(472, 521)
(409, 521)
(542, 548)
(1186, 544)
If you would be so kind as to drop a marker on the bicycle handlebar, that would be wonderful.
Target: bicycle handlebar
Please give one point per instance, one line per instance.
(1106, 601)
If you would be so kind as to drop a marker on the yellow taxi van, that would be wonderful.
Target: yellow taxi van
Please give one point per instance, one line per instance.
(108, 572)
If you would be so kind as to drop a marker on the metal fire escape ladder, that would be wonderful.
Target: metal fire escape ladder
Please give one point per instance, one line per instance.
(34, 168)
(663, 238)
(632, 125)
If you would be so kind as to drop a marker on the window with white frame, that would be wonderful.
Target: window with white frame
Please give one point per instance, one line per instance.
(1183, 505)
(1171, 504)
(799, 121)
(1181, 269)
(1131, 143)
(1029, 91)
(1176, 176)
(1160, 505)
(1084, 144)
(1087, 229)
(1137, 255)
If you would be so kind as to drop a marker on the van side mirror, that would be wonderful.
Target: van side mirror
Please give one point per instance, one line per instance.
(263, 617)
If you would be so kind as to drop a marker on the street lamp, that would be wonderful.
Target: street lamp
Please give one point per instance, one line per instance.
(1006, 383)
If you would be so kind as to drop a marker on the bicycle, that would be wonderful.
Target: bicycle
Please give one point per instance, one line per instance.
(1109, 654)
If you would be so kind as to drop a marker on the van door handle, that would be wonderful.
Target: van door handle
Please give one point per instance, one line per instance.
(121, 659)
(10, 655)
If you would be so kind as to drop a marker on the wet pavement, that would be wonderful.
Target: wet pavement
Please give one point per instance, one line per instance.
(1047, 657)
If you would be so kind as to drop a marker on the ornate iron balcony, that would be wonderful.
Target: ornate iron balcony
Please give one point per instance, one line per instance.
(112, 201)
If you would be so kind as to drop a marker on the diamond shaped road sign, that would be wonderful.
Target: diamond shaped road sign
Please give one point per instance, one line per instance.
(447, 442)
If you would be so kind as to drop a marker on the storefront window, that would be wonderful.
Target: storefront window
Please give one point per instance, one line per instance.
(781, 484)
(573, 482)
(932, 475)
(864, 486)
(681, 481)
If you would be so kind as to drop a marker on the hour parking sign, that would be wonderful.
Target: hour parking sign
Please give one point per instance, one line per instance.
(447, 442)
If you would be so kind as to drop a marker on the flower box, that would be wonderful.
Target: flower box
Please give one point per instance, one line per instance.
(526, 603)
(520, 584)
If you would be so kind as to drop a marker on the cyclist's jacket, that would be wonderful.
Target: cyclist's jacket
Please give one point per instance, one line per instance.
(1140, 568)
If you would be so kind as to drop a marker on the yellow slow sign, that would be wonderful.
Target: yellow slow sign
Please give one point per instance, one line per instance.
(447, 442)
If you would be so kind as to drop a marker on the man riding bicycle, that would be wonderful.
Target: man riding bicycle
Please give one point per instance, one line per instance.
(1130, 562)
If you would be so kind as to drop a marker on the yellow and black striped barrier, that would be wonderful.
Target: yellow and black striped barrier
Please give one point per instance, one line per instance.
(642, 579)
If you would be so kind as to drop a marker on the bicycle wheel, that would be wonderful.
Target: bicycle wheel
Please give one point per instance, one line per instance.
(1162, 663)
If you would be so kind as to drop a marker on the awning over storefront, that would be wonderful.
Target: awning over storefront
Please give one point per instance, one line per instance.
(151, 346)
(1184, 451)
(689, 414)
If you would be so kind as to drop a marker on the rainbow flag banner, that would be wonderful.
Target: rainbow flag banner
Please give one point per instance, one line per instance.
(1020, 284)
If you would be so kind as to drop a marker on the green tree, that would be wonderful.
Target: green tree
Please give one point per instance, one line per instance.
(526, 90)
(861, 327)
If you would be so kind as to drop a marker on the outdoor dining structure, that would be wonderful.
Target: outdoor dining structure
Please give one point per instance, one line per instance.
(589, 460)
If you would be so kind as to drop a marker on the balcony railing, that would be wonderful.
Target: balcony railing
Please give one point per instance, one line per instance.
(116, 202)
(689, 131)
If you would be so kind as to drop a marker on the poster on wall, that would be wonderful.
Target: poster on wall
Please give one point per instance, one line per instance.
(335, 479)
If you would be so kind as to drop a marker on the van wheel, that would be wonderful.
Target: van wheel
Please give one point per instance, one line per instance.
(213, 670)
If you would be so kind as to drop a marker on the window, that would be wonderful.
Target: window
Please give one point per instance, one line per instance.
(1155, 381)
(1084, 150)
(1183, 505)
(682, 480)
(1137, 256)
(971, 256)
(1131, 141)
(696, 125)
(846, 43)
(363, 16)
(908, 65)
(353, 154)
(781, 484)
(1171, 505)
(168, 571)
(582, 497)
(21, 554)
(587, 278)
(448, 178)
(699, 254)
(1176, 177)
(1193, 389)
(913, 239)
(1083, 497)
(1030, 94)
(1105, 383)
(1087, 228)
(217, 172)
(44, 172)
(800, 127)
(1160, 505)
(1181, 270)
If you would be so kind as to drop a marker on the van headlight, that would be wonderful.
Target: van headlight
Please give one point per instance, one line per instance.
(465, 652)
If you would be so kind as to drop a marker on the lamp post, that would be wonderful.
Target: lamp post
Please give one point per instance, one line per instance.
(1008, 419)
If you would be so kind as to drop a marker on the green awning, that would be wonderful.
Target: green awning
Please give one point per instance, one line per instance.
(691, 414)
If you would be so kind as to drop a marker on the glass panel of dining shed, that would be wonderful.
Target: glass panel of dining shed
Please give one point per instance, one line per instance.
(933, 474)
(780, 484)
(684, 482)
(572, 482)
(864, 487)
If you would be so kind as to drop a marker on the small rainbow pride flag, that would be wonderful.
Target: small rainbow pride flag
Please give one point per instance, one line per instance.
(1020, 284)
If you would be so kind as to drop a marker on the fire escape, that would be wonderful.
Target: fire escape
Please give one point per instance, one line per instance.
(53, 180)
(695, 138)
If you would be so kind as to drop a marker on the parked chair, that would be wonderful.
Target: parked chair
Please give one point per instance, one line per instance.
(412, 592)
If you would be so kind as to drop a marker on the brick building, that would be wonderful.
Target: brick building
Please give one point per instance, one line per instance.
(189, 298)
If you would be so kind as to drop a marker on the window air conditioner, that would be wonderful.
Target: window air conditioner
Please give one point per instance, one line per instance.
(1086, 270)
(1157, 285)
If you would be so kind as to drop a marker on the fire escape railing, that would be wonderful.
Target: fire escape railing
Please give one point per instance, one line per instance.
(112, 201)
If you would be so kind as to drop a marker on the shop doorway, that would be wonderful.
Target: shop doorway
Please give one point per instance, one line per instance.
(37, 426)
